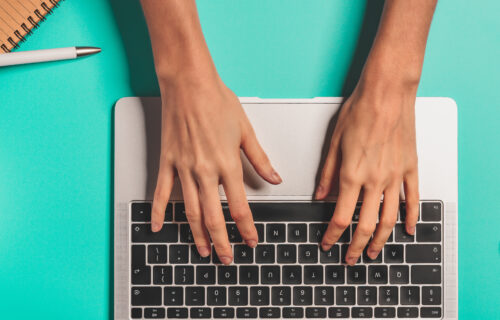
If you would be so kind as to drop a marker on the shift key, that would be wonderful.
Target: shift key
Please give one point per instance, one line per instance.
(142, 233)
(425, 274)
(423, 253)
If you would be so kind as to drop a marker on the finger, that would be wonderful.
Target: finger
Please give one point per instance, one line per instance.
(164, 186)
(258, 158)
(366, 226)
(386, 223)
(193, 213)
(238, 206)
(214, 219)
(329, 169)
(412, 200)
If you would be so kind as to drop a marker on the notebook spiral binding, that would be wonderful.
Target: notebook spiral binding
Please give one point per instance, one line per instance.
(27, 29)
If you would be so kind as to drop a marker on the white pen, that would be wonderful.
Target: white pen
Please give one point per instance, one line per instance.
(34, 56)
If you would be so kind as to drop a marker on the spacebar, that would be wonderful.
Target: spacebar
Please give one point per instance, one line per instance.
(292, 211)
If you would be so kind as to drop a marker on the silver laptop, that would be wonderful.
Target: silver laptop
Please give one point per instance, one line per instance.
(286, 276)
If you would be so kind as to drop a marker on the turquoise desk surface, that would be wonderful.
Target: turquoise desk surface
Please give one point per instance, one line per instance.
(56, 130)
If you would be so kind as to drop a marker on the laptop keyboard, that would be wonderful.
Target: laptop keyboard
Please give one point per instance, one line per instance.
(287, 275)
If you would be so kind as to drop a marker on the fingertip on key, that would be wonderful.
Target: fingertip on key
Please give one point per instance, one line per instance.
(155, 226)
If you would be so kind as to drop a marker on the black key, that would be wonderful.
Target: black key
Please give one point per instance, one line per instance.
(243, 254)
(345, 295)
(344, 249)
(335, 275)
(178, 253)
(364, 312)
(157, 254)
(270, 274)
(259, 296)
(367, 259)
(141, 275)
(205, 275)
(323, 296)
(238, 296)
(180, 212)
(146, 296)
(162, 275)
(138, 255)
(399, 274)
(173, 296)
(195, 256)
(407, 312)
(330, 256)
(401, 235)
(431, 211)
(428, 232)
(308, 253)
(185, 234)
(233, 233)
(335, 312)
(154, 313)
(377, 274)
(249, 275)
(297, 232)
(195, 296)
(200, 313)
(356, 274)
(391, 237)
(227, 274)
(220, 313)
(385, 312)
(346, 235)
(275, 232)
(287, 253)
(142, 233)
(431, 295)
(260, 231)
(357, 212)
(367, 295)
(409, 295)
(430, 312)
(215, 257)
(184, 275)
(264, 253)
(423, 253)
(393, 253)
(402, 212)
(136, 313)
(141, 211)
(298, 211)
(292, 275)
(295, 312)
(315, 312)
(388, 296)
(281, 296)
(177, 313)
(246, 313)
(216, 296)
(226, 212)
(302, 296)
(425, 274)
(316, 232)
(313, 274)
(269, 312)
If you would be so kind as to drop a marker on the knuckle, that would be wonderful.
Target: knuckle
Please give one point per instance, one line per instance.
(365, 230)
(349, 178)
(203, 169)
(211, 224)
(193, 216)
(238, 215)
(341, 222)
(388, 222)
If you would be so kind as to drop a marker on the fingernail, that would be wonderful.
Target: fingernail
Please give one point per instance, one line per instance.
(325, 247)
(411, 230)
(225, 260)
(319, 192)
(372, 254)
(156, 227)
(276, 177)
(351, 260)
(252, 243)
(204, 251)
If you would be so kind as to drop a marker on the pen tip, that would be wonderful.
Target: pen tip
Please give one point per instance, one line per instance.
(85, 51)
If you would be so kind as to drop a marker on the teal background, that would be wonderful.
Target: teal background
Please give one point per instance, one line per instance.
(56, 130)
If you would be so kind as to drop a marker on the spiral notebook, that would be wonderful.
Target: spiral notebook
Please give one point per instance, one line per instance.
(18, 18)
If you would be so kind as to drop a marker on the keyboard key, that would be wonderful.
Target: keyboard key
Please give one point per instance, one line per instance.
(238, 296)
(205, 275)
(216, 296)
(425, 274)
(162, 274)
(385, 312)
(185, 233)
(154, 313)
(316, 232)
(275, 232)
(313, 274)
(431, 295)
(336, 312)
(356, 274)
(388, 295)
(330, 256)
(401, 235)
(345, 295)
(377, 274)
(298, 211)
(180, 212)
(287, 253)
(407, 312)
(141, 275)
(409, 295)
(146, 296)
(136, 313)
(344, 249)
(227, 274)
(346, 236)
(178, 253)
(367, 295)
(249, 275)
(292, 275)
(428, 232)
(138, 255)
(402, 212)
(399, 274)
(195, 296)
(270, 274)
(233, 233)
(141, 211)
(260, 231)
(302, 296)
(177, 313)
(281, 296)
(364, 312)
(323, 296)
(142, 233)
(430, 312)
(393, 253)
(269, 312)
(315, 312)
(264, 253)
(295, 312)
(184, 275)
(246, 313)
(423, 253)
(297, 232)
(200, 313)
(223, 313)
(259, 296)
(431, 211)
(243, 254)
(196, 258)
(157, 254)
(357, 212)
(308, 253)
(335, 274)
(367, 259)
(173, 296)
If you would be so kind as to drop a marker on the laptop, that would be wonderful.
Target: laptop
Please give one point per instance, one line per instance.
(287, 276)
